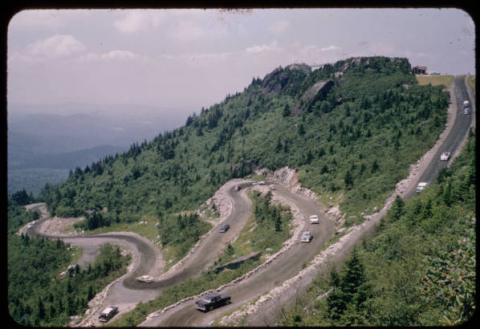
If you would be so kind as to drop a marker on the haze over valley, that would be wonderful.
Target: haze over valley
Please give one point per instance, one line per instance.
(45, 142)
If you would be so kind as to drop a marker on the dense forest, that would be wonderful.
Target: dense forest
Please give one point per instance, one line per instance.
(418, 270)
(353, 139)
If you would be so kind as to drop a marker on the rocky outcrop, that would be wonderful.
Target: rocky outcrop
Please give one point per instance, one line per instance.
(282, 78)
(318, 91)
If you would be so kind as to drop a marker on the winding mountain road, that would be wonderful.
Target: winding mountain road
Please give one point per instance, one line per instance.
(127, 292)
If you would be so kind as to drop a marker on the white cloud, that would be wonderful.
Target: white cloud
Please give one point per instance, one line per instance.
(113, 55)
(273, 46)
(279, 27)
(55, 47)
(316, 51)
(187, 31)
(132, 21)
(330, 48)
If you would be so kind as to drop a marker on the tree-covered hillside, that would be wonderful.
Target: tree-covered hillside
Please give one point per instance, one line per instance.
(351, 129)
(418, 270)
(37, 295)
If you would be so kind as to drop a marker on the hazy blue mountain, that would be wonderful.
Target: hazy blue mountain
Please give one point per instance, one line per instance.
(63, 136)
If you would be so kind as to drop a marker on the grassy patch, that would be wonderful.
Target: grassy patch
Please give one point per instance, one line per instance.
(471, 81)
(434, 80)
(145, 227)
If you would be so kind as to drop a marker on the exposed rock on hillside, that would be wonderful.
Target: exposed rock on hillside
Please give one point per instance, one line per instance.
(319, 90)
(275, 81)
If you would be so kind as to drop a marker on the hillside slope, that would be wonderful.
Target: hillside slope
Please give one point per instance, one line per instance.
(419, 269)
(351, 129)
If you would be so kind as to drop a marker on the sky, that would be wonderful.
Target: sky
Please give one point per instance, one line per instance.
(180, 60)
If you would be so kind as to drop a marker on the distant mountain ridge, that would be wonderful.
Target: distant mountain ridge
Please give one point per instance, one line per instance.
(38, 142)
(69, 160)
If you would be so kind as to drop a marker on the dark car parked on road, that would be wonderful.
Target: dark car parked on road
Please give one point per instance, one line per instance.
(224, 228)
(211, 301)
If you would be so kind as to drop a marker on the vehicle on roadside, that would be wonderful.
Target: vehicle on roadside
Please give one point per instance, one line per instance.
(108, 313)
(307, 236)
(261, 183)
(272, 187)
(224, 228)
(238, 188)
(445, 156)
(466, 111)
(314, 219)
(145, 278)
(466, 103)
(421, 186)
(211, 301)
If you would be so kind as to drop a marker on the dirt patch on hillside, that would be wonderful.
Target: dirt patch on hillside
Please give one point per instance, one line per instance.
(61, 227)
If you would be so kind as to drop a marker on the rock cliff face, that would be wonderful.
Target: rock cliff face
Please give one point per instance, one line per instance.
(275, 81)
(319, 90)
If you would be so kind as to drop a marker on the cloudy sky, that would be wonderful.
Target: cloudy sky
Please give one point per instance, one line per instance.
(181, 60)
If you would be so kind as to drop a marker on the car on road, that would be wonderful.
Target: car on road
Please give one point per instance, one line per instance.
(445, 156)
(145, 278)
(466, 111)
(421, 186)
(314, 219)
(272, 187)
(307, 236)
(466, 103)
(261, 183)
(238, 188)
(108, 313)
(211, 301)
(224, 228)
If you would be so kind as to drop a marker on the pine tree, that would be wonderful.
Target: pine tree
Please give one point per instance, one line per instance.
(398, 208)
(348, 180)
(301, 129)
(40, 309)
(353, 274)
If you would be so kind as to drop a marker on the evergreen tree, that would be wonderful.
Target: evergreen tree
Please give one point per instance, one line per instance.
(348, 180)
(398, 208)
(353, 274)
(301, 129)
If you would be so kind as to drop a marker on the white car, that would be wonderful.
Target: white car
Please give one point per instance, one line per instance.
(272, 187)
(445, 156)
(466, 111)
(145, 278)
(307, 236)
(314, 219)
(421, 186)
